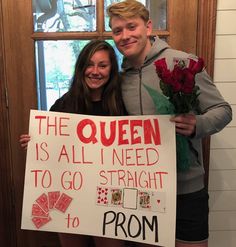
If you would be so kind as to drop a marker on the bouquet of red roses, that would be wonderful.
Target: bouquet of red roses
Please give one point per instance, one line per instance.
(180, 96)
(178, 85)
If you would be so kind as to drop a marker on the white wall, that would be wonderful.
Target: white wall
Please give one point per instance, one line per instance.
(222, 176)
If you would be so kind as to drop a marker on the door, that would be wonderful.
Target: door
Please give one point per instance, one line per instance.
(190, 26)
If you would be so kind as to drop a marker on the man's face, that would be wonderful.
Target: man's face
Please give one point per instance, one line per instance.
(131, 36)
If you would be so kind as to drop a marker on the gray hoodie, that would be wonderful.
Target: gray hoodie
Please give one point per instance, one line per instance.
(214, 113)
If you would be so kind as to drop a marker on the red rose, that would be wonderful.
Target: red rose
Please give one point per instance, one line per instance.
(166, 77)
(178, 73)
(196, 67)
(178, 85)
(161, 65)
(188, 83)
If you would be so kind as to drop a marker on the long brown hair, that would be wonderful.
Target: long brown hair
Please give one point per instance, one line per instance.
(78, 96)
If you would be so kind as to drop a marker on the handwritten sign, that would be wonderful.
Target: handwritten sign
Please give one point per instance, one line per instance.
(104, 176)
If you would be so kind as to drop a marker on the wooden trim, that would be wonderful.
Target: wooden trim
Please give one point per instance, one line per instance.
(19, 72)
(183, 27)
(100, 17)
(7, 214)
(83, 35)
(206, 32)
(65, 36)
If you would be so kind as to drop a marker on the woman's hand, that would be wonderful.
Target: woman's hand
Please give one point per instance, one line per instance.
(185, 124)
(24, 139)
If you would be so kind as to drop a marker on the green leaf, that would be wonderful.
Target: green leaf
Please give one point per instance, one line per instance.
(162, 104)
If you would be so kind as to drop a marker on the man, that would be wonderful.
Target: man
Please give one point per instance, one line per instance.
(131, 31)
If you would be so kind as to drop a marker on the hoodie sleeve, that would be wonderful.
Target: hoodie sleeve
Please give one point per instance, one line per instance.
(215, 112)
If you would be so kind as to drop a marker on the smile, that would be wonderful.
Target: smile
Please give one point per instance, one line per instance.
(128, 44)
(95, 78)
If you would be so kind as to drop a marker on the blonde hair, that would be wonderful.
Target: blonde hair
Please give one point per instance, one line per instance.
(128, 9)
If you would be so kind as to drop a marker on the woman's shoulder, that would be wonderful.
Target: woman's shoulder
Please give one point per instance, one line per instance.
(60, 104)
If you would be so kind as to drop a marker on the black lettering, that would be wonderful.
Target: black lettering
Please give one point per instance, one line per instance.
(105, 222)
(121, 223)
(153, 226)
(129, 226)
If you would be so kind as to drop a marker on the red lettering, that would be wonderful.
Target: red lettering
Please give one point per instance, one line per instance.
(122, 132)
(135, 156)
(41, 151)
(133, 131)
(115, 155)
(69, 180)
(46, 175)
(62, 126)
(161, 178)
(128, 157)
(80, 128)
(151, 133)
(126, 132)
(108, 141)
(73, 155)
(121, 177)
(101, 174)
(40, 123)
(51, 123)
(133, 179)
(138, 157)
(148, 155)
(72, 221)
(63, 153)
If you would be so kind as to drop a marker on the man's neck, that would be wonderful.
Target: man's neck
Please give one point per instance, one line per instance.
(138, 61)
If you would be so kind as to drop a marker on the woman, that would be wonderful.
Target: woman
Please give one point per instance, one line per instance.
(95, 90)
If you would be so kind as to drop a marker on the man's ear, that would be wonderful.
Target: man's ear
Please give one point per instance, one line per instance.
(149, 27)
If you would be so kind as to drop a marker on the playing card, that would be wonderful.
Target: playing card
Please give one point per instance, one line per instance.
(37, 211)
(43, 202)
(130, 198)
(40, 221)
(144, 200)
(158, 202)
(116, 197)
(63, 202)
(53, 196)
(102, 196)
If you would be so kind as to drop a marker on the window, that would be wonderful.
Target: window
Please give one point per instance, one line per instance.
(62, 28)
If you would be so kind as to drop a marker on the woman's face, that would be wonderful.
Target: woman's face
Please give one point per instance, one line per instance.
(97, 73)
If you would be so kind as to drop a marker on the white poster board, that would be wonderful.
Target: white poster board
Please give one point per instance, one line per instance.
(104, 176)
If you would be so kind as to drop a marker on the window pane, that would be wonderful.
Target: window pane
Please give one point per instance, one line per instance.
(157, 8)
(158, 13)
(64, 15)
(55, 62)
(55, 66)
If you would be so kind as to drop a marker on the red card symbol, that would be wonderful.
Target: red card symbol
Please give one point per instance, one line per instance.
(52, 198)
(43, 202)
(39, 222)
(102, 196)
(37, 211)
(63, 202)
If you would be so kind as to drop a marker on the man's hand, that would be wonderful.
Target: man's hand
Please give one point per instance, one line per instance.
(185, 124)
